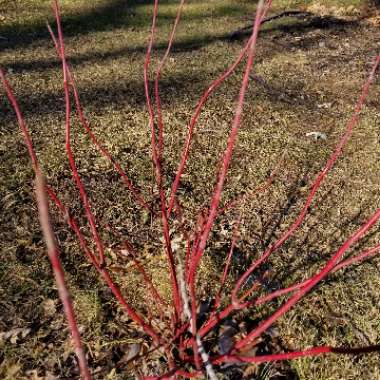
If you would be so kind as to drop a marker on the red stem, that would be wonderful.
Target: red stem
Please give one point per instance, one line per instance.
(315, 351)
(228, 262)
(20, 120)
(196, 257)
(217, 317)
(260, 189)
(236, 302)
(103, 271)
(157, 80)
(296, 354)
(158, 173)
(53, 253)
(70, 155)
(135, 192)
(365, 255)
(193, 122)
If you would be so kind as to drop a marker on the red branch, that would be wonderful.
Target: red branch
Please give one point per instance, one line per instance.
(193, 122)
(315, 351)
(53, 253)
(128, 182)
(217, 317)
(158, 173)
(103, 271)
(132, 252)
(297, 354)
(212, 213)
(157, 80)
(20, 120)
(70, 155)
(365, 255)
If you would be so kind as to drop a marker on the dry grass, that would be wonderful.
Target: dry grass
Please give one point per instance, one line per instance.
(311, 77)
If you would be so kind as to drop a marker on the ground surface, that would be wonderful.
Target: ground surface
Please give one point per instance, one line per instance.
(309, 72)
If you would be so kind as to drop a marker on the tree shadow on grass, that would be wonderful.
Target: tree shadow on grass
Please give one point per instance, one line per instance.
(310, 247)
(297, 256)
(97, 96)
(106, 16)
(73, 26)
(275, 40)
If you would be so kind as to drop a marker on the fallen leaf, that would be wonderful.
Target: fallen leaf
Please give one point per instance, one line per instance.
(49, 307)
(131, 352)
(316, 135)
(14, 335)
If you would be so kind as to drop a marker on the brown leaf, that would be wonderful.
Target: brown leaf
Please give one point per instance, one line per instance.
(132, 351)
(14, 335)
(251, 371)
(49, 307)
